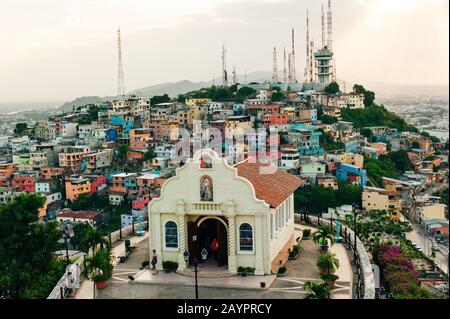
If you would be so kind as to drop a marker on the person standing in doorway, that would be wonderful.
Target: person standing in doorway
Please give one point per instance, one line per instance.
(154, 262)
(215, 248)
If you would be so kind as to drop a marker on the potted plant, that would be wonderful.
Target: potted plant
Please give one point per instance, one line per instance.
(282, 271)
(145, 264)
(317, 290)
(99, 267)
(169, 266)
(295, 252)
(330, 279)
(328, 263)
(306, 233)
(322, 235)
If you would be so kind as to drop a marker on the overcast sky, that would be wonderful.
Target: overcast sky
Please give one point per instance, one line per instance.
(61, 49)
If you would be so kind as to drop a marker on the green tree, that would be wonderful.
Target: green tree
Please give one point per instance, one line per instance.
(26, 249)
(122, 150)
(78, 240)
(149, 155)
(21, 128)
(375, 116)
(327, 119)
(415, 144)
(223, 94)
(159, 99)
(369, 96)
(376, 169)
(332, 88)
(245, 92)
(277, 96)
(327, 142)
(400, 160)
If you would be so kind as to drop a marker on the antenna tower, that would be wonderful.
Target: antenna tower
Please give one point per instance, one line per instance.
(275, 66)
(120, 77)
(224, 66)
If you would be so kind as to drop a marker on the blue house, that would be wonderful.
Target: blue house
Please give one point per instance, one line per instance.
(351, 174)
(306, 138)
(111, 135)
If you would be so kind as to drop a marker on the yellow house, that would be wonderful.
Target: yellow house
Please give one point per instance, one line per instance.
(197, 101)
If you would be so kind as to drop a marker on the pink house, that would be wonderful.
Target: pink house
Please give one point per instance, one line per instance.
(140, 202)
(96, 181)
(24, 183)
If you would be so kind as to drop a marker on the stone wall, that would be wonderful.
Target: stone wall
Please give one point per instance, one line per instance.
(70, 279)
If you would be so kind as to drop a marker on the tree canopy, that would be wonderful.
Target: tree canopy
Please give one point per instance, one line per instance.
(375, 116)
(369, 96)
(20, 128)
(377, 168)
(315, 199)
(332, 88)
(159, 99)
(245, 93)
(28, 268)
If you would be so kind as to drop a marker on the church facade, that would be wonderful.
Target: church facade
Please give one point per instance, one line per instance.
(247, 208)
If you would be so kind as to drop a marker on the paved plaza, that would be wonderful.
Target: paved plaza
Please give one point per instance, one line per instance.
(175, 286)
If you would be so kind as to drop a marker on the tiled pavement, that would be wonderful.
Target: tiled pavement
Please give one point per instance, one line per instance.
(181, 287)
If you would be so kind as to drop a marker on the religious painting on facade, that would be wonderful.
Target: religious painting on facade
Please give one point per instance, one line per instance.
(205, 161)
(206, 189)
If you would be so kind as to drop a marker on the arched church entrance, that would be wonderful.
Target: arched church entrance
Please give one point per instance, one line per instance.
(202, 233)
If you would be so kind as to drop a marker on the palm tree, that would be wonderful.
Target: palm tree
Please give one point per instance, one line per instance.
(322, 235)
(99, 266)
(317, 290)
(95, 237)
(328, 263)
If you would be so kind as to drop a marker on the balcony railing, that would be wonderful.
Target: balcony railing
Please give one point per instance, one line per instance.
(205, 206)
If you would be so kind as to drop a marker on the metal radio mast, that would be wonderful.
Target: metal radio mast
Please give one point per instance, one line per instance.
(120, 77)
(275, 66)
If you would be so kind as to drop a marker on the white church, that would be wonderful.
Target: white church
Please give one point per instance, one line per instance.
(247, 208)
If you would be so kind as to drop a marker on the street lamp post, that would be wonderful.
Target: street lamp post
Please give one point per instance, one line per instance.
(355, 207)
(195, 264)
(67, 249)
(186, 255)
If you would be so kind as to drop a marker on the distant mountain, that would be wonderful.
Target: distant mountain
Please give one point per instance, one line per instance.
(80, 101)
(171, 88)
(180, 87)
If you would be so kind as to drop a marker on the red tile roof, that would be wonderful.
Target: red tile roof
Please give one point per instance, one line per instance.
(82, 214)
(273, 188)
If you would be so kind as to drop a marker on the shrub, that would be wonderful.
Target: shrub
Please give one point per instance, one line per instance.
(250, 270)
(398, 273)
(170, 266)
(306, 233)
(282, 270)
(329, 277)
(295, 251)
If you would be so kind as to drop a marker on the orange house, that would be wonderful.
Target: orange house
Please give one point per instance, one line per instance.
(135, 155)
(6, 170)
(76, 187)
(51, 172)
(139, 138)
